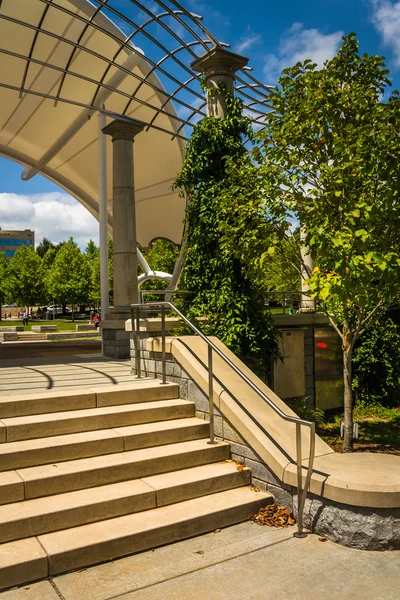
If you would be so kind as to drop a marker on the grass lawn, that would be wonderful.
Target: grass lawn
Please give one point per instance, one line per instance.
(379, 429)
(62, 324)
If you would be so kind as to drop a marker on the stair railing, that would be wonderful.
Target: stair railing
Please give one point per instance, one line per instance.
(136, 313)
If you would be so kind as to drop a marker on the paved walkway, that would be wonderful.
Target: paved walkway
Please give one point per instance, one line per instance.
(244, 562)
(56, 373)
(25, 350)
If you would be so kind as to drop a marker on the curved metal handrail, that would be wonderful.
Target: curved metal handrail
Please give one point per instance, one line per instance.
(136, 310)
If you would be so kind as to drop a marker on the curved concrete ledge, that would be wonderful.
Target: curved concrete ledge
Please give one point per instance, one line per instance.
(365, 484)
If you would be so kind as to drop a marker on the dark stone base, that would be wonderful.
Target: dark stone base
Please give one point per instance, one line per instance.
(352, 526)
(115, 343)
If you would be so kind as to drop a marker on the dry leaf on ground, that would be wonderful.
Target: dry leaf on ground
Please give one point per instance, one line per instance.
(274, 515)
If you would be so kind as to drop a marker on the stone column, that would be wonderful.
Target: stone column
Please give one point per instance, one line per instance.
(114, 337)
(218, 66)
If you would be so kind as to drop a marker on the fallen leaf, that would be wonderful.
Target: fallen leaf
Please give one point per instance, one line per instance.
(322, 539)
(217, 531)
(199, 552)
(240, 467)
(274, 515)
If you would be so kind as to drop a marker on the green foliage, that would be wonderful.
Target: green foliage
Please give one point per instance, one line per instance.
(303, 410)
(161, 256)
(4, 263)
(91, 251)
(45, 245)
(25, 277)
(376, 365)
(282, 269)
(330, 157)
(219, 179)
(68, 280)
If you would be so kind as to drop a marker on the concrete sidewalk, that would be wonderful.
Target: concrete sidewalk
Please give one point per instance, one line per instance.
(244, 562)
(57, 373)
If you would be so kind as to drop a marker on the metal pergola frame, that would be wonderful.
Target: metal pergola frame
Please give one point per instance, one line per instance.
(179, 39)
(253, 92)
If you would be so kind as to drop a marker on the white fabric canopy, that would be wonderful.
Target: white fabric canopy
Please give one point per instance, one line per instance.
(49, 51)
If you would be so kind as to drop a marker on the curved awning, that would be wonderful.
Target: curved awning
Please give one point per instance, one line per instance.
(64, 61)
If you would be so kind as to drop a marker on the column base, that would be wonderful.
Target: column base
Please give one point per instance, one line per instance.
(114, 338)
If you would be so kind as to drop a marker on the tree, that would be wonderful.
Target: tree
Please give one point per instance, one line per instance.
(3, 278)
(218, 176)
(68, 279)
(281, 271)
(329, 156)
(91, 251)
(25, 277)
(376, 364)
(44, 247)
(95, 290)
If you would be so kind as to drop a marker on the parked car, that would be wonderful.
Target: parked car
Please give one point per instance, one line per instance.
(57, 309)
(10, 305)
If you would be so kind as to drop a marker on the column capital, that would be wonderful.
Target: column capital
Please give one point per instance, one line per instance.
(219, 61)
(124, 129)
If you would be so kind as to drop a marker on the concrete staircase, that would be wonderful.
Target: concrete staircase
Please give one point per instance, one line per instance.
(92, 475)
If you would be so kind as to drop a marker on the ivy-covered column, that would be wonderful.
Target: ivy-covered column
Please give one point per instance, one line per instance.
(218, 66)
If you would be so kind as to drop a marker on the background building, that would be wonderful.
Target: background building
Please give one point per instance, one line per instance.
(10, 241)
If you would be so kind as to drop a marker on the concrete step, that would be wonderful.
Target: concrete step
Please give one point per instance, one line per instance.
(77, 547)
(53, 513)
(30, 453)
(67, 476)
(30, 336)
(74, 421)
(108, 395)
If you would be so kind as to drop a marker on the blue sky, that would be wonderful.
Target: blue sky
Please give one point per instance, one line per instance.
(274, 35)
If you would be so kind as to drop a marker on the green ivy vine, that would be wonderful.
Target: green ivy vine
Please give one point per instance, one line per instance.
(218, 177)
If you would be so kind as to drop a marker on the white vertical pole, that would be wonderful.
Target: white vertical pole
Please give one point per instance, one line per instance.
(103, 217)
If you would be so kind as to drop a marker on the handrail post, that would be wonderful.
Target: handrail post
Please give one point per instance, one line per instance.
(302, 490)
(299, 532)
(133, 334)
(211, 396)
(137, 344)
(164, 372)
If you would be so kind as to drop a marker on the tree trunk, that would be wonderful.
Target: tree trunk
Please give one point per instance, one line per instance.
(348, 399)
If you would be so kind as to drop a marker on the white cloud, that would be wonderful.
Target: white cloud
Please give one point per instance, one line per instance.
(298, 44)
(386, 18)
(54, 215)
(246, 41)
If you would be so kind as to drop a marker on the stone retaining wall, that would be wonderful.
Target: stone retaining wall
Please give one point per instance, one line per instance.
(353, 526)
(262, 477)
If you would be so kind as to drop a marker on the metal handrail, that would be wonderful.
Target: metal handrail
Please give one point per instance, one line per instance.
(136, 310)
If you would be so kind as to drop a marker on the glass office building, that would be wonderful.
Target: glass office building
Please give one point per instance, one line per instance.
(10, 241)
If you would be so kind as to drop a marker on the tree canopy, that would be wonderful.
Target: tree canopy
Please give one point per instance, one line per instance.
(329, 156)
(25, 277)
(68, 280)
